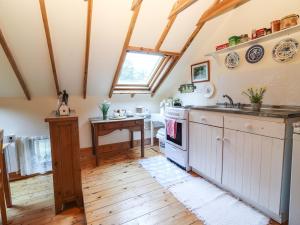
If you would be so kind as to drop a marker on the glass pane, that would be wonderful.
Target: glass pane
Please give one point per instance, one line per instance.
(138, 68)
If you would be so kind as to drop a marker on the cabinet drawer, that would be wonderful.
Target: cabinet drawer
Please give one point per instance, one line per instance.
(204, 117)
(120, 125)
(266, 128)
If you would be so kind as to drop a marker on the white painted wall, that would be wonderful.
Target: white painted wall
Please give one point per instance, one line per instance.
(22, 117)
(282, 80)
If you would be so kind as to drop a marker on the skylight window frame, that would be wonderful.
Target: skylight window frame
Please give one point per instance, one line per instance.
(156, 76)
(153, 71)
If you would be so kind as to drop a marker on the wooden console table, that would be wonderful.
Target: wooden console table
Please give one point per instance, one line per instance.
(101, 127)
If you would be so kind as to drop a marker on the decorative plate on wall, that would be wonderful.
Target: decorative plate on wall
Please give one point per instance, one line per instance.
(232, 60)
(285, 50)
(209, 90)
(255, 53)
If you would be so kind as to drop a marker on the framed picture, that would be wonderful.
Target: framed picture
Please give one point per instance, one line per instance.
(200, 72)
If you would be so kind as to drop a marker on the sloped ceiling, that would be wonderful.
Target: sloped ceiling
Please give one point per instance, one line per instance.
(22, 26)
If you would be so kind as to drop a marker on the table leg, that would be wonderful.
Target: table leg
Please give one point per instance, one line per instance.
(142, 142)
(6, 186)
(131, 138)
(151, 132)
(95, 142)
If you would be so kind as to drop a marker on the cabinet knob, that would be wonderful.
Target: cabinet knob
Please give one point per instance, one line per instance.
(218, 138)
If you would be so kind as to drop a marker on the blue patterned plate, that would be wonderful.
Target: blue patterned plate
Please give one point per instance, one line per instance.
(255, 53)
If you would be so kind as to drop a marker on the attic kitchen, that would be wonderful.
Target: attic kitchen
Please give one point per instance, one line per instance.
(111, 115)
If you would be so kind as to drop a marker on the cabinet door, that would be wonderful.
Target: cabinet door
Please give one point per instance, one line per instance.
(252, 167)
(206, 150)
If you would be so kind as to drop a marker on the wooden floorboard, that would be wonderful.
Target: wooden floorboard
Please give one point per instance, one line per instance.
(119, 191)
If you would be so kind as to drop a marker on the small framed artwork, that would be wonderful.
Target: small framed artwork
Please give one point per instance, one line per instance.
(200, 72)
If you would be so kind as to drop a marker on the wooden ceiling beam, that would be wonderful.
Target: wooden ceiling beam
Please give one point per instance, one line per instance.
(49, 43)
(156, 71)
(135, 4)
(87, 45)
(151, 51)
(136, 11)
(212, 12)
(180, 6)
(14, 66)
(159, 72)
(165, 75)
(165, 32)
(220, 8)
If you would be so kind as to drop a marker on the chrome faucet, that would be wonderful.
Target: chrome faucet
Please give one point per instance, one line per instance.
(229, 99)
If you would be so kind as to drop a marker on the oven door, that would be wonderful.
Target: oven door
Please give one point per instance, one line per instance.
(181, 135)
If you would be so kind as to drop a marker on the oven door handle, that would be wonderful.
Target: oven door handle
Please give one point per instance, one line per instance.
(177, 120)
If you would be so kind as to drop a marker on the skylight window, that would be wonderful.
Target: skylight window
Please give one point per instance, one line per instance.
(138, 68)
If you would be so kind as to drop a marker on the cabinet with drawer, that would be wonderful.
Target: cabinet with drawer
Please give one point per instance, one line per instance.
(254, 157)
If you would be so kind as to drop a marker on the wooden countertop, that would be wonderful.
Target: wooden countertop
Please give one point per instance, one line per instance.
(53, 117)
(100, 120)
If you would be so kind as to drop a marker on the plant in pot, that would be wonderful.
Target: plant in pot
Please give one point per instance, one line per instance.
(104, 107)
(255, 96)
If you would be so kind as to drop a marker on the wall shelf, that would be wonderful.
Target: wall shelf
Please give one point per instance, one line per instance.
(281, 33)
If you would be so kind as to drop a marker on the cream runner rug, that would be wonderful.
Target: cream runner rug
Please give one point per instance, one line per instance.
(209, 203)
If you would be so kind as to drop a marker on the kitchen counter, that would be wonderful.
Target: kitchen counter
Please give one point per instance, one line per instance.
(266, 111)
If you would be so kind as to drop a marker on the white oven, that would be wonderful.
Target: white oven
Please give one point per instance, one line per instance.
(176, 148)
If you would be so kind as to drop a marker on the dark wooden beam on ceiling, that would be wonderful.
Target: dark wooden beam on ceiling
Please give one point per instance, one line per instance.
(87, 46)
(49, 43)
(216, 9)
(136, 10)
(14, 66)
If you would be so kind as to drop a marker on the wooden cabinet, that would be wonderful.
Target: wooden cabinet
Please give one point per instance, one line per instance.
(252, 167)
(65, 150)
(205, 150)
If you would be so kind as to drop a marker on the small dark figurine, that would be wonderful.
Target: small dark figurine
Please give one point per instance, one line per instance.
(65, 97)
(62, 104)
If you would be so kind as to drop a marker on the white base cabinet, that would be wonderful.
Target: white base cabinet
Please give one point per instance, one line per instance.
(205, 150)
(246, 155)
(252, 167)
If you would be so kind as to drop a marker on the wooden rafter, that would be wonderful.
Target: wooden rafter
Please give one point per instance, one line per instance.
(49, 43)
(159, 72)
(136, 11)
(156, 71)
(151, 51)
(178, 7)
(217, 8)
(14, 65)
(181, 5)
(87, 45)
(165, 32)
(135, 4)
(164, 76)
